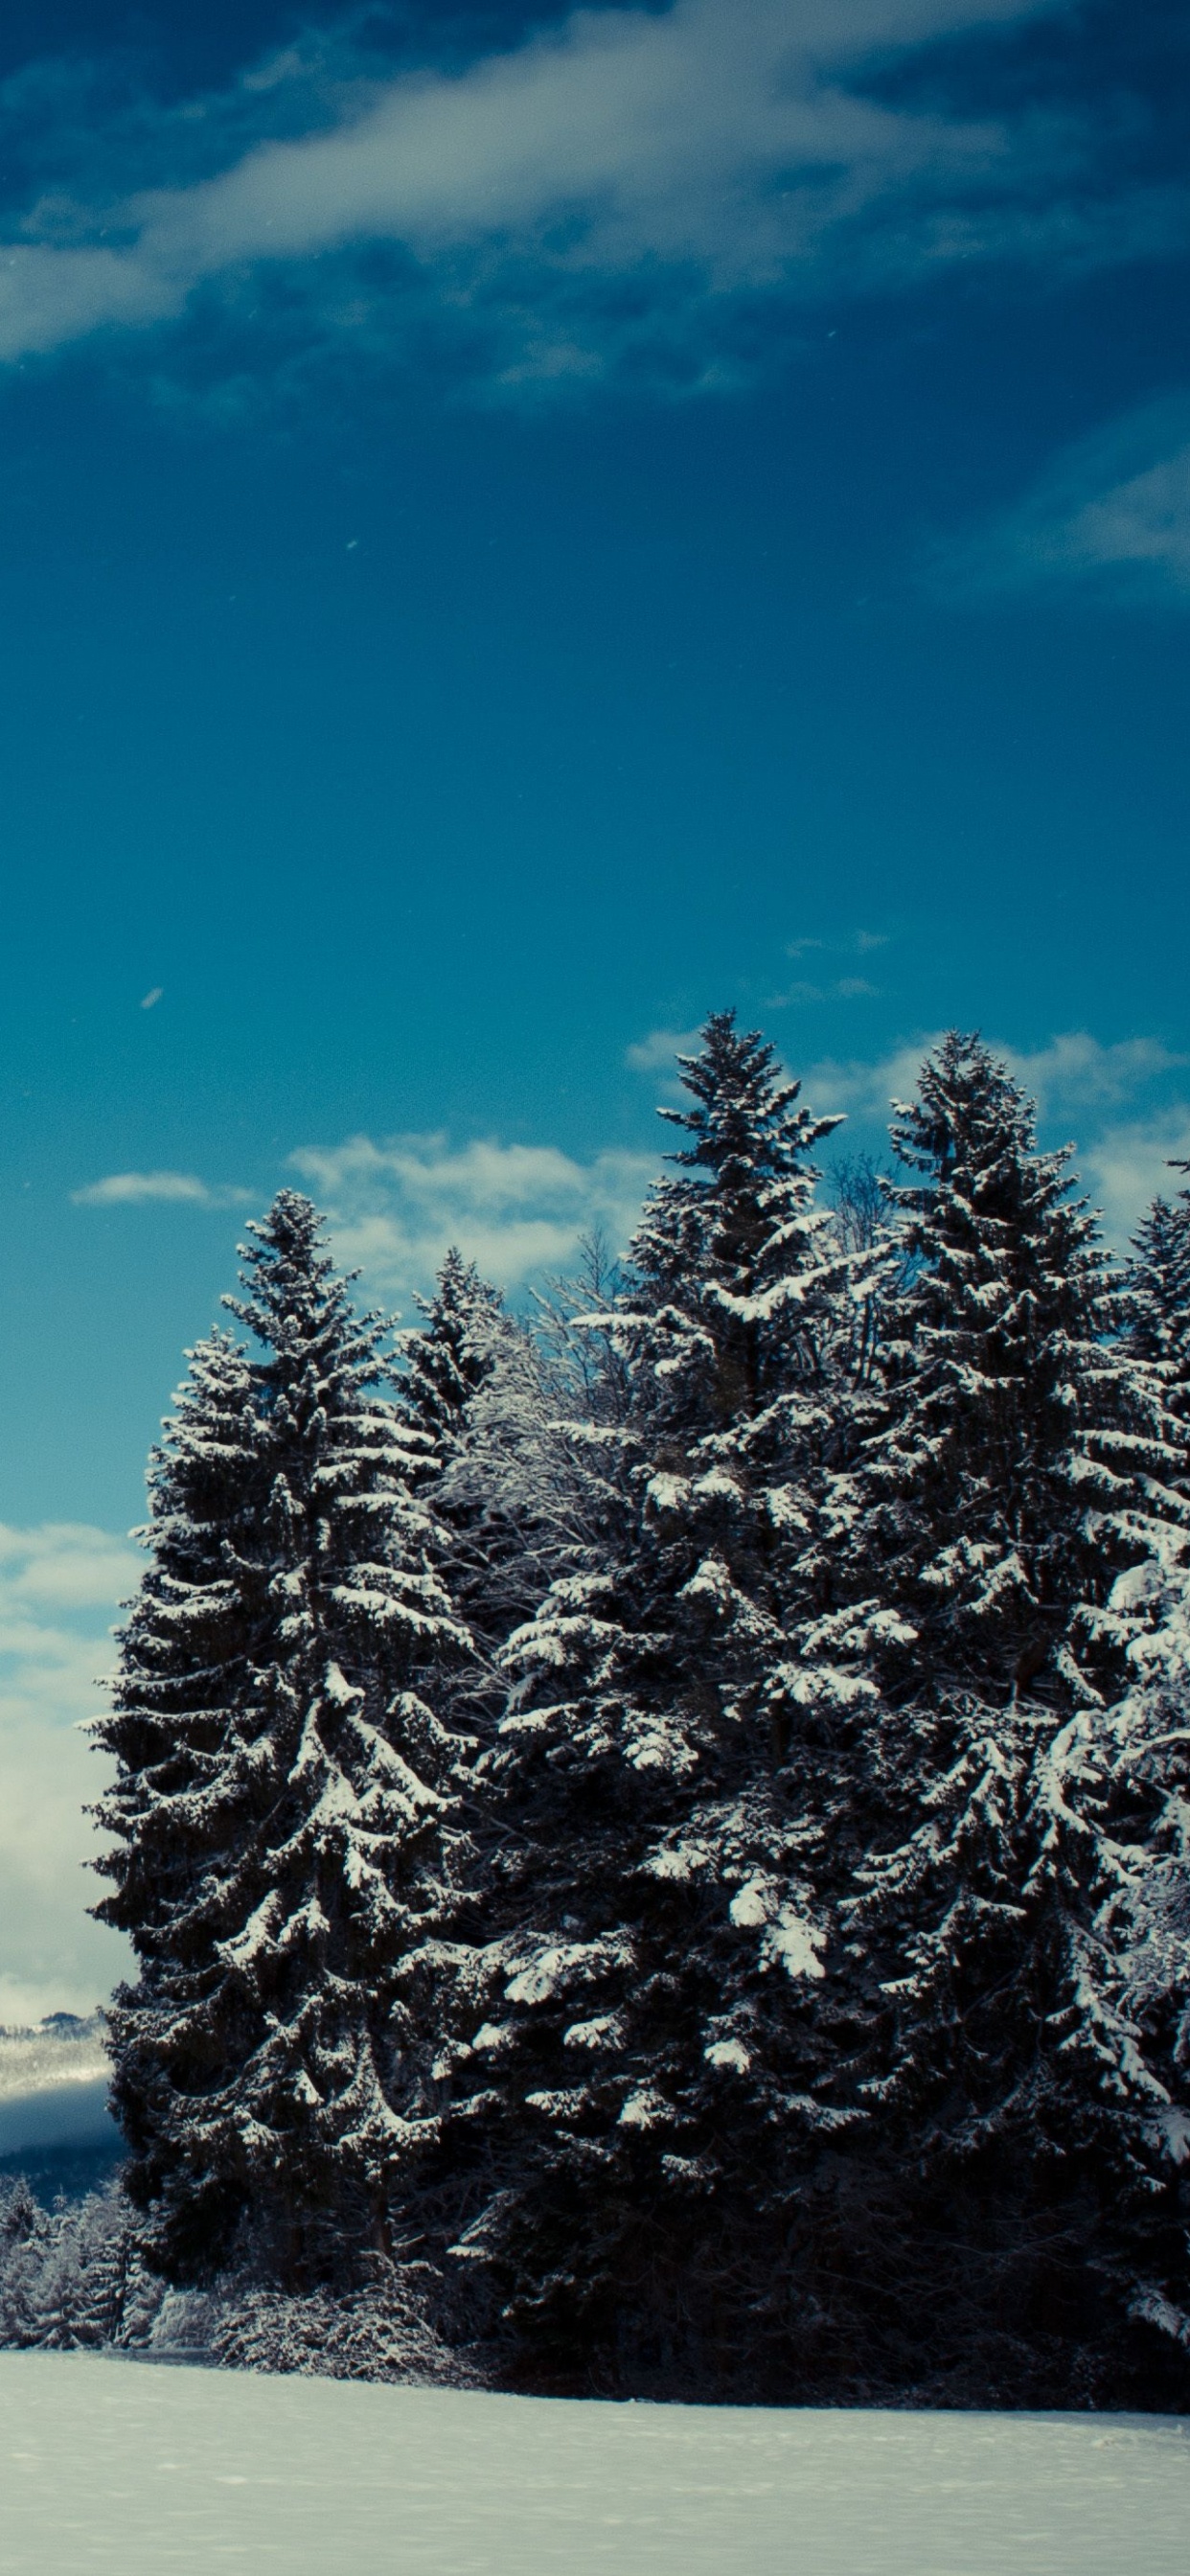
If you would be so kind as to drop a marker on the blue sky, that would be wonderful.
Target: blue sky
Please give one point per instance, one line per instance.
(518, 528)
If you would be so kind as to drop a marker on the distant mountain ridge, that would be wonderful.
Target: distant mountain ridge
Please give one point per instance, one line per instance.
(64, 2049)
(55, 2125)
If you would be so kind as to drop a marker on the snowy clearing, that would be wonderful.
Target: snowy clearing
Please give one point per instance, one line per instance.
(111, 2465)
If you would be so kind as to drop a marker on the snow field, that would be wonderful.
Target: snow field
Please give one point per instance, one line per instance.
(108, 2465)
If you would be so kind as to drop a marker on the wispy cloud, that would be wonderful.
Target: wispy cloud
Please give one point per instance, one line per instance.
(718, 148)
(59, 1587)
(862, 1086)
(1112, 516)
(850, 987)
(845, 988)
(132, 1189)
(858, 943)
(1130, 1163)
(655, 1052)
(63, 1565)
(397, 1205)
(1076, 1071)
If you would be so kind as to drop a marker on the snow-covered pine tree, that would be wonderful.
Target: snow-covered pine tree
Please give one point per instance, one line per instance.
(500, 1397)
(451, 1354)
(461, 1382)
(1023, 1469)
(1147, 1922)
(283, 1801)
(1149, 1919)
(69, 2275)
(660, 1799)
(1159, 1296)
(180, 1807)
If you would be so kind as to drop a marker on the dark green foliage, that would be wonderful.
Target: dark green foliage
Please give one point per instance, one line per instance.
(773, 1978)
(644, 2065)
(1158, 1282)
(282, 1805)
(990, 1531)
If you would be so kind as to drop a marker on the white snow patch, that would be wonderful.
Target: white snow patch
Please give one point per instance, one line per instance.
(751, 1905)
(787, 1937)
(1174, 2127)
(645, 2109)
(795, 1944)
(728, 2052)
(130, 2471)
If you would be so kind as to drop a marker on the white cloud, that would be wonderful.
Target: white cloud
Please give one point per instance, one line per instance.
(1076, 1071)
(655, 1052)
(864, 1088)
(59, 1588)
(1141, 524)
(396, 1206)
(1114, 513)
(1128, 1166)
(130, 1189)
(64, 1565)
(1076, 1080)
(722, 137)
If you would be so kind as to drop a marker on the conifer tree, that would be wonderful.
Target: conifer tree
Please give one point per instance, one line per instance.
(986, 1536)
(283, 1801)
(501, 1400)
(1149, 1919)
(185, 1667)
(452, 1353)
(458, 1389)
(655, 1915)
(1159, 1285)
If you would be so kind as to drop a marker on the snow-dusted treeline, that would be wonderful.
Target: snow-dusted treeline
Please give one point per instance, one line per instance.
(667, 1822)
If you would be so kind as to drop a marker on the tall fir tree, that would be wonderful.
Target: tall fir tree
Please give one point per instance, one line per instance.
(657, 1822)
(985, 1538)
(1150, 1917)
(283, 1807)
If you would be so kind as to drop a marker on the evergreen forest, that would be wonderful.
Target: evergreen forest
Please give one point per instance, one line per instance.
(655, 1830)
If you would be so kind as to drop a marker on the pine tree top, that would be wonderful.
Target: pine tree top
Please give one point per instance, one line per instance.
(991, 1208)
(293, 1299)
(1026, 1450)
(452, 1353)
(1159, 1284)
(742, 1128)
(744, 1218)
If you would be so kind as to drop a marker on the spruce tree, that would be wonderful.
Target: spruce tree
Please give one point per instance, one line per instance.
(283, 1806)
(459, 1388)
(504, 1402)
(1149, 1921)
(452, 1353)
(657, 1830)
(986, 1538)
(1159, 1296)
(185, 1668)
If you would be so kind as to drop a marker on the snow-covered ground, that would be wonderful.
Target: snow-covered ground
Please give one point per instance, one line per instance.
(114, 2465)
